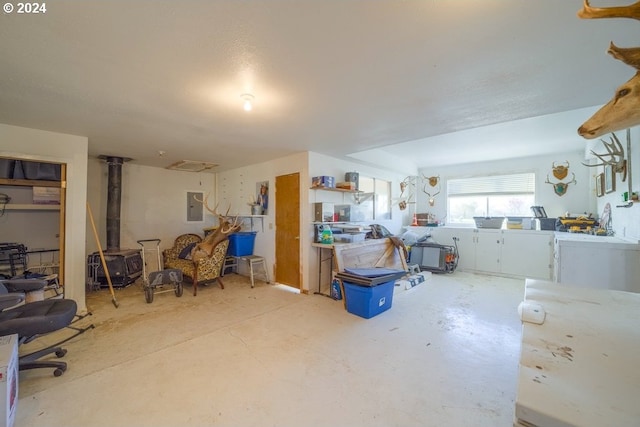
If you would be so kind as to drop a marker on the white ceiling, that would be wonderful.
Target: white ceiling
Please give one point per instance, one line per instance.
(433, 81)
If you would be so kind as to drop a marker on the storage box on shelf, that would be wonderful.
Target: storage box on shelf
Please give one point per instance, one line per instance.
(323, 212)
(323, 182)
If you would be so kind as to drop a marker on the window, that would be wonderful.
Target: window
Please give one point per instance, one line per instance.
(375, 199)
(498, 195)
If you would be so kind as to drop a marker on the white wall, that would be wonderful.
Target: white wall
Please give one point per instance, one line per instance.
(625, 221)
(579, 197)
(235, 188)
(153, 203)
(37, 145)
(320, 165)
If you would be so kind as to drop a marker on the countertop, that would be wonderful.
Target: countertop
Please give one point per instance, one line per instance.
(581, 366)
(589, 238)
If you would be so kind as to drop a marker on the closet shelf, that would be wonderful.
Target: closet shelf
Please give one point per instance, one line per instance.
(30, 207)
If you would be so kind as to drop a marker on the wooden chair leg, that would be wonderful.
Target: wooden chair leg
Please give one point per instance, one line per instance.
(220, 283)
(195, 282)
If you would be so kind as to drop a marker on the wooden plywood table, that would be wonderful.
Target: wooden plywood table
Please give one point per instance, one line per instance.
(370, 253)
(581, 366)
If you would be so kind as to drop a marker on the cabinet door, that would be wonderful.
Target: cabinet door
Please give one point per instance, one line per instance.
(488, 244)
(466, 248)
(527, 254)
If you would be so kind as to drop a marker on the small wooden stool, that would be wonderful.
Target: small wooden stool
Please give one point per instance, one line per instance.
(256, 260)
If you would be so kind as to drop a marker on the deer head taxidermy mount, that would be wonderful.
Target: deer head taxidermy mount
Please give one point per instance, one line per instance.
(561, 171)
(433, 181)
(560, 188)
(623, 110)
(408, 184)
(614, 155)
(226, 226)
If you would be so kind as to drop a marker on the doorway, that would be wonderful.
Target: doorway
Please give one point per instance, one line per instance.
(287, 268)
(33, 215)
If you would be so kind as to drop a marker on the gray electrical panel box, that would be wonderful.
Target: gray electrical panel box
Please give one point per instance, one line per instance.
(195, 210)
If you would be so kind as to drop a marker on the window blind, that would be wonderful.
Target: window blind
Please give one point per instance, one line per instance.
(521, 183)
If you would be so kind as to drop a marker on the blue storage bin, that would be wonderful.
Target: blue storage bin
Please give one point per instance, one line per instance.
(368, 301)
(241, 243)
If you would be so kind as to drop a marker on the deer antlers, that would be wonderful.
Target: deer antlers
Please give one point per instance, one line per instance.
(560, 188)
(432, 181)
(623, 110)
(588, 12)
(225, 227)
(614, 156)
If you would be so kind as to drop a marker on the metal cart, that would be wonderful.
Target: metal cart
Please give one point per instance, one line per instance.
(160, 277)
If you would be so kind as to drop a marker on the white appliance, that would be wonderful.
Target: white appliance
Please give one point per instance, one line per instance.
(8, 379)
(604, 262)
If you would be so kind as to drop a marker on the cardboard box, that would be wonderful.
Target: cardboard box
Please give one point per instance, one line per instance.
(346, 185)
(46, 196)
(323, 212)
(323, 182)
(8, 379)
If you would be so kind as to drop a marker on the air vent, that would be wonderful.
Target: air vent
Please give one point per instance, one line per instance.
(191, 166)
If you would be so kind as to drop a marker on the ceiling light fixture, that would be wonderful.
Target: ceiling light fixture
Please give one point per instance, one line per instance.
(248, 99)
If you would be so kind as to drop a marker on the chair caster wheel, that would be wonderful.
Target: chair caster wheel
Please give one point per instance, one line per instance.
(61, 352)
(58, 372)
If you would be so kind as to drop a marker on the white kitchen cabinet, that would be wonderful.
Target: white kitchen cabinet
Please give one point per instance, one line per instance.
(516, 253)
(488, 251)
(527, 254)
(604, 262)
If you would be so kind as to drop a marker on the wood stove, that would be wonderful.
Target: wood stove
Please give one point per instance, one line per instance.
(124, 265)
(124, 268)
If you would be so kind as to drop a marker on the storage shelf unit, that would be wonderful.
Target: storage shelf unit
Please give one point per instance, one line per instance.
(207, 230)
(31, 207)
(340, 190)
(29, 183)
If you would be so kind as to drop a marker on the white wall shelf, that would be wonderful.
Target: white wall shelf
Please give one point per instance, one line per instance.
(31, 207)
(29, 183)
(339, 190)
(252, 217)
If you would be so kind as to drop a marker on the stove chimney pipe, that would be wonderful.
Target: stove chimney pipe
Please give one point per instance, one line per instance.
(114, 193)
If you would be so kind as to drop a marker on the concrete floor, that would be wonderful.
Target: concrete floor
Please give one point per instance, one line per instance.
(446, 353)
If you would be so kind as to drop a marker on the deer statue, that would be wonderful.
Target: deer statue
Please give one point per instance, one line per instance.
(623, 110)
(614, 155)
(225, 227)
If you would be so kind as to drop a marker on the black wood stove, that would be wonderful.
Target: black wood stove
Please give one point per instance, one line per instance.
(124, 265)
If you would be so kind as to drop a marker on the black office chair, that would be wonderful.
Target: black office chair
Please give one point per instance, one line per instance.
(33, 319)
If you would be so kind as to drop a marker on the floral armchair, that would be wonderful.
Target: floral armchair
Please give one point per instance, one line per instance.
(204, 271)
